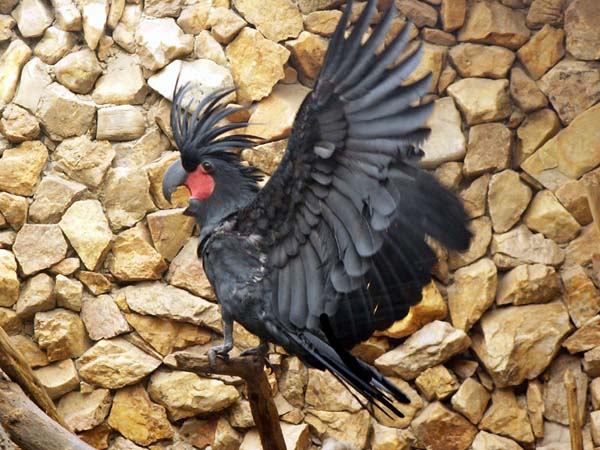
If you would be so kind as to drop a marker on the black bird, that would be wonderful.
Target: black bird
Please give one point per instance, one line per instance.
(333, 247)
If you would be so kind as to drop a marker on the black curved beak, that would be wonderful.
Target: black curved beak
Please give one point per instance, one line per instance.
(174, 176)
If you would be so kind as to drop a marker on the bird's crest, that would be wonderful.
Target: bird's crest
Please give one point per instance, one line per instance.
(198, 133)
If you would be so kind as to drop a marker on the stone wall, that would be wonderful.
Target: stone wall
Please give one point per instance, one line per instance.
(99, 280)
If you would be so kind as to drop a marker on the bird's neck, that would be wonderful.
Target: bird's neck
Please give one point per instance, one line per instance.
(219, 206)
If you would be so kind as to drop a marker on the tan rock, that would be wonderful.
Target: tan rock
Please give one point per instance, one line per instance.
(38, 247)
(94, 15)
(120, 443)
(449, 174)
(278, 110)
(351, 428)
(585, 338)
(535, 407)
(120, 123)
(20, 167)
(240, 414)
(481, 100)
(481, 228)
(169, 229)
(542, 51)
(126, 196)
(115, 363)
(581, 28)
(549, 165)
(255, 80)
(207, 47)
(488, 441)
(132, 258)
(33, 81)
(156, 171)
(572, 195)
(14, 209)
(66, 267)
(55, 44)
(85, 411)
(431, 307)
(10, 322)
(33, 17)
(32, 353)
(520, 246)
(200, 433)
(548, 216)
(524, 91)
(555, 408)
(387, 438)
(226, 438)
(433, 344)
(102, 317)
(474, 60)
(186, 272)
(528, 283)
(78, 71)
(293, 381)
(471, 400)
(524, 345)
(87, 229)
(122, 83)
(58, 378)
(277, 20)
(308, 6)
(185, 394)
(493, 23)
(572, 87)
(18, 125)
(446, 141)
(591, 362)
(447, 77)
(324, 392)
(489, 149)
(595, 392)
(97, 283)
(63, 114)
(52, 197)
(472, 293)
(7, 238)
(543, 12)
(439, 428)
(421, 14)
(61, 333)
(9, 283)
(507, 417)
(438, 37)
(37, 294)
(296, 437)
(535, 130)
(67, 15)
(307, 54)
(582, 249)
(165, 335)
(581, 297)
(266, 157)
(136, 417)
(371, 349)
(452, 13)
(437, 383)
(141, 152)
(7, 24)
(322, 23)
(163, 8)
(193, 18)
(225, 24)
(68, 292)
(160, 41)
(169, 302)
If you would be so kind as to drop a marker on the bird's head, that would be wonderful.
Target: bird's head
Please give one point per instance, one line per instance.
(210, 165)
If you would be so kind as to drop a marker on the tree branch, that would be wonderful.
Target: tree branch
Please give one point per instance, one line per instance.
(592, 192)
(573, 409)
(251, 370)
(29, 427)
(18, 370)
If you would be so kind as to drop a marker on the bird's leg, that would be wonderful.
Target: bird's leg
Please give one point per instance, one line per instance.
(222, 350)
(261, 350)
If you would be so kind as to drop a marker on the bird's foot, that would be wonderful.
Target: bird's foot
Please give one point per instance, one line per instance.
(222, 351)
(260, 350)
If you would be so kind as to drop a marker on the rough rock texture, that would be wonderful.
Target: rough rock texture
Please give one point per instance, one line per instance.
(96, 265)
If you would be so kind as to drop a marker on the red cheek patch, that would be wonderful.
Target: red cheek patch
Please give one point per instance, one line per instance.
(200, 184)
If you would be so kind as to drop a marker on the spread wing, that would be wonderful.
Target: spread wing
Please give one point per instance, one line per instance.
(345, 215)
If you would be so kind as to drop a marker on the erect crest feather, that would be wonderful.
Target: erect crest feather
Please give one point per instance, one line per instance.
(197, 133)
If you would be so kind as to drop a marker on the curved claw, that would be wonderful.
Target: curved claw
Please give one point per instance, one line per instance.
(261, 350)
(222, 351)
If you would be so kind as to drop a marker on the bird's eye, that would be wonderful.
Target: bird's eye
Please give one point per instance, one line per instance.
(207, 166)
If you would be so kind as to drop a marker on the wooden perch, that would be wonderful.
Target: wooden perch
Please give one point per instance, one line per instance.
(251, 370)
(18, 370)
(573, 410)
(29, 427)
